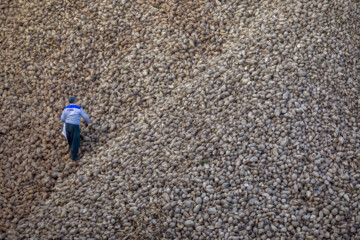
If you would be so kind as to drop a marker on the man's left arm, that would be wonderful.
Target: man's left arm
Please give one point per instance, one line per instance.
(63, 116)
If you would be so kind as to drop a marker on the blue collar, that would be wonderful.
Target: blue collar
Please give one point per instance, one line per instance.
(73, 106)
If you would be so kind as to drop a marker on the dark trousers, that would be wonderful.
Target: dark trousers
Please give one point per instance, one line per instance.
(73, 137)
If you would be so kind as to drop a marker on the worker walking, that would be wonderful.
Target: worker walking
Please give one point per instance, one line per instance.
(71, 117)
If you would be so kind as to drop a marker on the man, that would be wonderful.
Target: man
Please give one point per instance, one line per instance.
(71, 117)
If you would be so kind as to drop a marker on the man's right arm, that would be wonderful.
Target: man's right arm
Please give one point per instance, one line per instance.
(83, 114)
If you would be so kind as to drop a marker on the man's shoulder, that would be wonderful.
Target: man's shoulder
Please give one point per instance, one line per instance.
(72, 106)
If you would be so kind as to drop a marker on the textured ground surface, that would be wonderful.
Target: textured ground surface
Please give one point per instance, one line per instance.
(211, 119)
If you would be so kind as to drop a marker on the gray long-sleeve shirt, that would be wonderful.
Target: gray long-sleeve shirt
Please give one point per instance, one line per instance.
(72, 114)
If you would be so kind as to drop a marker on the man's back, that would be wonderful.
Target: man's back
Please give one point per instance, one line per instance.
(72, 114)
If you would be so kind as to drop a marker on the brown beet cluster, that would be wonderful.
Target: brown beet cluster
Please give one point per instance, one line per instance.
(210, 119)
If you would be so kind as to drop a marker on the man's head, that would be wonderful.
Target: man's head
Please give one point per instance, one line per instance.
(71, 99)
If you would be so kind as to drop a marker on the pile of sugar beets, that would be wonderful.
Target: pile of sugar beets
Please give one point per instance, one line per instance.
(210, 119)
